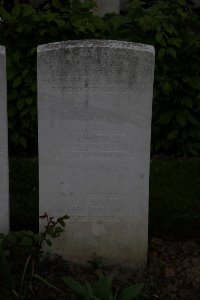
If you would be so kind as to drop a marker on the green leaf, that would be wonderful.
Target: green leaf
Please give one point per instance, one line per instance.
(62, 223)
(132, 292)
(103, 287)
(16, 56)
(175, 42)
(49, 243)
(166, 87)
(88, 5)
(57, 4)
(91, 27)
(186, 101)
(160, 39)
(27, 241)
(23, 142)
(195, 133)
(173, 134)
(25, 72)
(117, 21)
(4, 14)
(15, 138)
(157, 146)
(165, 117)
(60, 23)
(38, 238)
(91, 292)
(29, 233)
(181, 119)
(65, 217)
(26, 123)
(5, 269)
(33, 111)
(161, 52)
(50, 17)
(17, 82)
(2, 236)
(28, 10)
(172, 52)
(195, 82)
(134, 5)
(20, 28)
(186, 78)
(11, 239)
(46, 282)
(192, 119)
(16, 10)
(98, 22)
(181, 12)
(75, 286)
(29, 101)
(79, 24)
(53, 32)
(58, 230)
(193, 150)
(20, 104)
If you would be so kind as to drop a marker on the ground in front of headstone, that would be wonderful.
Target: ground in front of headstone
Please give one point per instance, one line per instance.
(173, 273)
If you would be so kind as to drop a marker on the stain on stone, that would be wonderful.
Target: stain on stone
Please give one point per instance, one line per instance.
(98, 229)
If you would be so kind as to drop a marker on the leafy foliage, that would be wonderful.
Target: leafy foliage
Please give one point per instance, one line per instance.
(19, 252)
(22, 29)
(173, 29)
(169, 25)
(102, 289)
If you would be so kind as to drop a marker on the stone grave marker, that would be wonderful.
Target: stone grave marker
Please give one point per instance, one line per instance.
(105, 6)
(94, 113)
(4, 196)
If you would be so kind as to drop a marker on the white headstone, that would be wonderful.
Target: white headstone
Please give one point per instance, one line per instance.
(4, 198)
(105, 7)
(94, 106)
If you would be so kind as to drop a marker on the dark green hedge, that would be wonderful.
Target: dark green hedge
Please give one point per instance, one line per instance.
(171, 27)
(174, 31)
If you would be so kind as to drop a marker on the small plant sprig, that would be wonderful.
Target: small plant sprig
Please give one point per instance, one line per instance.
(53, 229)
(19, 252)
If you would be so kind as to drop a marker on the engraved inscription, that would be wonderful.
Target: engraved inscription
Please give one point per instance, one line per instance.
(82, 203)
(95, 143)
(92, 71)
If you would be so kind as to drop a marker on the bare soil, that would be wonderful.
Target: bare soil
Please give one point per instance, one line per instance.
(173, 273)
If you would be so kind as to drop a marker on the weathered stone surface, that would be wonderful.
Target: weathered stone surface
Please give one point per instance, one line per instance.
(94, 107)
(109, 6)
(103, 6)
(4, 198)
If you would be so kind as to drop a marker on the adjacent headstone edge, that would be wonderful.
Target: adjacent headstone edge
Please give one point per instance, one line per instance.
(2, 49)
(5, 218)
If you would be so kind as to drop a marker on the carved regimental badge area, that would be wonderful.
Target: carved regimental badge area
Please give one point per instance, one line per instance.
(4, 199)
(94, 107)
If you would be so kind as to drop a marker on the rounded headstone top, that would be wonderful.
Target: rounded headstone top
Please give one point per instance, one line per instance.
(95, 44)
(2, 50)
